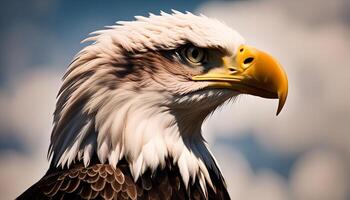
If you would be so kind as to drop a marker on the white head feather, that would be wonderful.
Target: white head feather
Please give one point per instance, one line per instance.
(105, 109)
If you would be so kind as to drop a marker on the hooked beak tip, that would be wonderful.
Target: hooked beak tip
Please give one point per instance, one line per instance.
(282, 97)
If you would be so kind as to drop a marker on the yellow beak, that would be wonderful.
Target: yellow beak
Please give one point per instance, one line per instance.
(251, 72)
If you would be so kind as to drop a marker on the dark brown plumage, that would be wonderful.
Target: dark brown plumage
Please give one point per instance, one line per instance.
(101, 181)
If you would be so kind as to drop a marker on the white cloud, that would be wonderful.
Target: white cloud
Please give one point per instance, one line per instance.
(19, 172)
(320, 175)
(28, 104)
(236, 171)
(268, 185)
(31, 103)
(243, 183)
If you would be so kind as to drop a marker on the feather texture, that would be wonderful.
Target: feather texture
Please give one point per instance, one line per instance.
(102, 181)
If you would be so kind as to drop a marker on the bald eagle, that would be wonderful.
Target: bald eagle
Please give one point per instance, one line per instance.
(128, 118)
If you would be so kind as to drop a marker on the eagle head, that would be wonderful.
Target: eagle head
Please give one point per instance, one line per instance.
(143, 88)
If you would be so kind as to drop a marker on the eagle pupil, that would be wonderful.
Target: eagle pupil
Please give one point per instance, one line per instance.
(195, 53)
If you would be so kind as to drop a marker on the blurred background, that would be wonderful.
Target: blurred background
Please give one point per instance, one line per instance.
(302, 154)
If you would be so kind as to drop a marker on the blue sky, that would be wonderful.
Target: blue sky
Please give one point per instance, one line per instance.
(35, 26)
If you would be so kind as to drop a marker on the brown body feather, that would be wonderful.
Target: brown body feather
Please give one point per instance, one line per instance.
(101, 181)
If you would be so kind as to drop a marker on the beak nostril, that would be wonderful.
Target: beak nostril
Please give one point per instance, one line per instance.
(248, 60)
(232, 70)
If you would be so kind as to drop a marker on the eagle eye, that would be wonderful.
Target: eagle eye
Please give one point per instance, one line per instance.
(193, 54)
